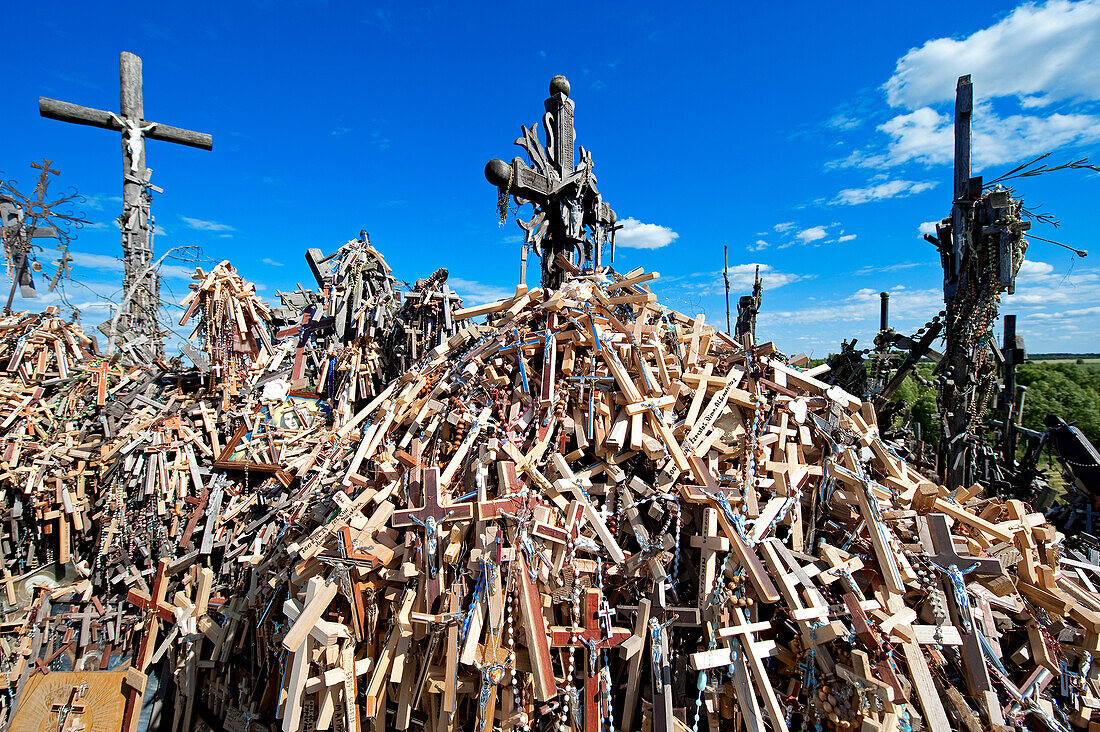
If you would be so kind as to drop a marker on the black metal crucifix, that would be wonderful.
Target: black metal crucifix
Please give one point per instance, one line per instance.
(569, 215)
(141, 315)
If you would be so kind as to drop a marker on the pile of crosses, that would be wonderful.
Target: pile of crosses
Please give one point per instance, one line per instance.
(571, 509)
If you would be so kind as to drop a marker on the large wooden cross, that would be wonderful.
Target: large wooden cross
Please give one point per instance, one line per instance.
(594, 636)
(956, 567)
(141, 312)
(433, 514)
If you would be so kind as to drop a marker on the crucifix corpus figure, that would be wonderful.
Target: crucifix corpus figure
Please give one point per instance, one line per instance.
(571, 219)
(140, 316)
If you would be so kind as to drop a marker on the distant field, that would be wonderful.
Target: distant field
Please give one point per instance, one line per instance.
(1092, 364)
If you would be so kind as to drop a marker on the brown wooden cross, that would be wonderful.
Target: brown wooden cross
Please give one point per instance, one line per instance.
(432, 515)
(71, 706)
(709, 545)
(155, 603)
(593, 636)
(99, 376)
(137, 250)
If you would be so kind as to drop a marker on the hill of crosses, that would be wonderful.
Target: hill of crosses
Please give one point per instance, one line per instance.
(572, 509)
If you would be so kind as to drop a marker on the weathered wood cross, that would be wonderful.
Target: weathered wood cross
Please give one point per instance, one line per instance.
(136, 247)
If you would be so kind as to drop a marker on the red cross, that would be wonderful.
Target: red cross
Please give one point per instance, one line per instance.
(155, 603)
(99, 374)
(593, 636)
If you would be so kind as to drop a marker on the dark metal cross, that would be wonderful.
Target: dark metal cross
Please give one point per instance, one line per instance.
(136, 246)
(564, 193)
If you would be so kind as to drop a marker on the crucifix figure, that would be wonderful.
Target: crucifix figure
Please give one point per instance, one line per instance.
(569, 215)
(72, 706)
(432, 515)
(596, 635)
(141, 311)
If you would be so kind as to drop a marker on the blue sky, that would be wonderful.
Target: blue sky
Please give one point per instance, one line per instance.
(813, 139)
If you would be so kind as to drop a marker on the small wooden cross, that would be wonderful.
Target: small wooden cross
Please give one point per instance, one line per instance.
(710, 544)
(594, 635)
(99, 376)
(71, 706)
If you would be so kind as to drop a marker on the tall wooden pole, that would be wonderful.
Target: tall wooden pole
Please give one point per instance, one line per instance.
(726, 275)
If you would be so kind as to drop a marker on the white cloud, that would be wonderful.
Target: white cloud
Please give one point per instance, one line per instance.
(811, 234)
(760, 244)
(840, 121)
(882, 190)
(97, 261)
(636, 235)
(1033, 270)
(202, 225)
(477, 293)
(784, 227)
(272, 262)
(928, 227)
(1037, 53)
(1036, 56)
(846, 237)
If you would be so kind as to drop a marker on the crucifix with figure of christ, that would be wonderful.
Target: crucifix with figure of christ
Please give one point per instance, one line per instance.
(596, 634)
(141, 311)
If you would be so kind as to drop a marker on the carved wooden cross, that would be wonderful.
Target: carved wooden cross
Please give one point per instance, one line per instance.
(593, 636)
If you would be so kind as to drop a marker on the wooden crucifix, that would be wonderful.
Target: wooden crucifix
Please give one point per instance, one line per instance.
(71, 706)
(433, 514)
(136, 246)
(594, 636)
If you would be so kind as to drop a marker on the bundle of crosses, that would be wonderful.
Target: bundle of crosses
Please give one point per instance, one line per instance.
(588, 512)
(597, 513)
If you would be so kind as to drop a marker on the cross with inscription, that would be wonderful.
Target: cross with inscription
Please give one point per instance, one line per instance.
(563, 193)
(594, 636)
(136, 247)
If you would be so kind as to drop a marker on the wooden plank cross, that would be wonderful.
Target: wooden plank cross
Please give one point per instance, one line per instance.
(131, 122)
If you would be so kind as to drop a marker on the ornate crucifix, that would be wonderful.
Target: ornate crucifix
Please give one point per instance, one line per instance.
(569, 215)
(141, 311)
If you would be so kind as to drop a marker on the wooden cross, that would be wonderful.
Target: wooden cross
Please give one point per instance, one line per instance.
(593, 636)
(432, 515)
(303, 330)
(709, 545)
(71, 706)
(155, 603)
(137, 250)
(518, 345)
(956, 567)
(100, 376)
